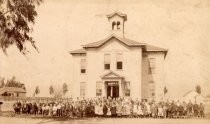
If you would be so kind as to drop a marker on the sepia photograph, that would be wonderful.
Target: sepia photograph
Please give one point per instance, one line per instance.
(104, 61)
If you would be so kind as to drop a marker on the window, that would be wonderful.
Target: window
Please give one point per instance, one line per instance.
(151, 66)
(118, 25)
(113, 25)
(119, 61)
(151, 88)
(127, 88)
(82, 89)
(107, 61)
(98, 88)
(83, 66)
(119, 65)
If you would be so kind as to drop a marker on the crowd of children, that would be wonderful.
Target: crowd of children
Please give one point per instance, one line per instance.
(107, 107)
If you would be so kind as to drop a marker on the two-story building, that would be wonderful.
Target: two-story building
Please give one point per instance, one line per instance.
(117, 66)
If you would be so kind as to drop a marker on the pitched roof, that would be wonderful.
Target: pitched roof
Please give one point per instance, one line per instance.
(151, 48)
(117, 13)
(12, 89)
(192, 93)
(111, 74)
(125, 41)
(78, 51)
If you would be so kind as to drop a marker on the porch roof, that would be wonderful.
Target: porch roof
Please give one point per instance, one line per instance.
(111, 75)
(12, 90)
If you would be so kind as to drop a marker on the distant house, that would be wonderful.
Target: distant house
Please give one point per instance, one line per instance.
(193, 96)
(12, 91)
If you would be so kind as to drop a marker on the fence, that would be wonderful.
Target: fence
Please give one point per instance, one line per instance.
(207, 105)
(8, 101)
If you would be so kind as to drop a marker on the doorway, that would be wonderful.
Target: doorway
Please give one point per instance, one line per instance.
(113, 91)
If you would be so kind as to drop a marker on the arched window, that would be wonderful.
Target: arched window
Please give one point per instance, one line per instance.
(113, 25)
(118, 25)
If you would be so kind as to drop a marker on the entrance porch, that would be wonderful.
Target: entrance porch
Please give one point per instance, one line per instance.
(113, 85)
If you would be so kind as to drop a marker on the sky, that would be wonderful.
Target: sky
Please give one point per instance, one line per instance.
(182, 27)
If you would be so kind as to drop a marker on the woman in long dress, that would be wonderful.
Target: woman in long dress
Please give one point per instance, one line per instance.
(100, 110)
(139, 110)
(135, 109)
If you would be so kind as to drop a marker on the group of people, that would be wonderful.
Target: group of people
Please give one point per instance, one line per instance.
(108, 107)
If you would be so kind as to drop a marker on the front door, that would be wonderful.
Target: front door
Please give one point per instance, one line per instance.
(113, 91)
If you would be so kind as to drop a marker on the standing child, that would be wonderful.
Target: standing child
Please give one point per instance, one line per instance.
(160, 111)
(54, 110)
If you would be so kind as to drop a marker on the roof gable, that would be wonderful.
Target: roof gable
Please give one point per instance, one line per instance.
(128, 42)
(111, 74)
(117, 13)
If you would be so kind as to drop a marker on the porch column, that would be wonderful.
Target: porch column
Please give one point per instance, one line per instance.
(111, 91)
(120, 88)
(104, 89)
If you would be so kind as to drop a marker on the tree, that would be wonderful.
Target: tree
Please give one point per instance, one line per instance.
(37, 91)
(198, 89)
(2, 84)
(165, 90)
(16, 20)
(58, 93)
(65, 88)
(14, 83)
(51, 90)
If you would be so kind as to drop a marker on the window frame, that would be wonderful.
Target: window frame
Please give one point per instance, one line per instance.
(83, 68)
(99, 88)
(107, 63)
(127, 89)
(119, 59)
(152, 66)
(106, 66)
(83, 89)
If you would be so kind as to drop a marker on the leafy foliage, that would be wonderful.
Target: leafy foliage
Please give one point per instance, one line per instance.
(16, 20)
(165, 90)
(198, 89)
(51, 90)
(11, 83)
(2, 84)
(37, 90)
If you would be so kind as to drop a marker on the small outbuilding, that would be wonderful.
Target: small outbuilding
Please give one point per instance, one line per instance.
(12, 91)
(193, 96)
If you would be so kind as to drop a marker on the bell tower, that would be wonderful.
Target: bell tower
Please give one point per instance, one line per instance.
(117, 21)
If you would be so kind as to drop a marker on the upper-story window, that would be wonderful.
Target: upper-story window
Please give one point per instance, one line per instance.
(83, 66)
(107, 61)
(119, 61)
(152, 66)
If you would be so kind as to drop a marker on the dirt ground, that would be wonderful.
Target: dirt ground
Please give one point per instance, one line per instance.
(11, 118)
